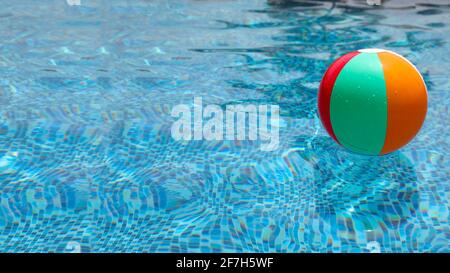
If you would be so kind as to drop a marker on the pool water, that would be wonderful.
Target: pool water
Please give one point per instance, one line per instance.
(88, 164)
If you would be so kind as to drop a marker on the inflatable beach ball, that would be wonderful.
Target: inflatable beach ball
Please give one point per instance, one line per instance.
(372, 101)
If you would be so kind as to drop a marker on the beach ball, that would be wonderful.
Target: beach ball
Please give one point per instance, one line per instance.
(372, 101)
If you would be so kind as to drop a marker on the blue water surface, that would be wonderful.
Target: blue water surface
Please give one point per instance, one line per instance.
(87, 161)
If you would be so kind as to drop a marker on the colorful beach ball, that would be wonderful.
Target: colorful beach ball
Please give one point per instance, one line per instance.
(372, 101)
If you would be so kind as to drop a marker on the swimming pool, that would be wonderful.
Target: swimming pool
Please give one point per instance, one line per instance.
(88, 164)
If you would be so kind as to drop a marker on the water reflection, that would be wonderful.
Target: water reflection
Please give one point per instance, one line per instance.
(360, 186)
